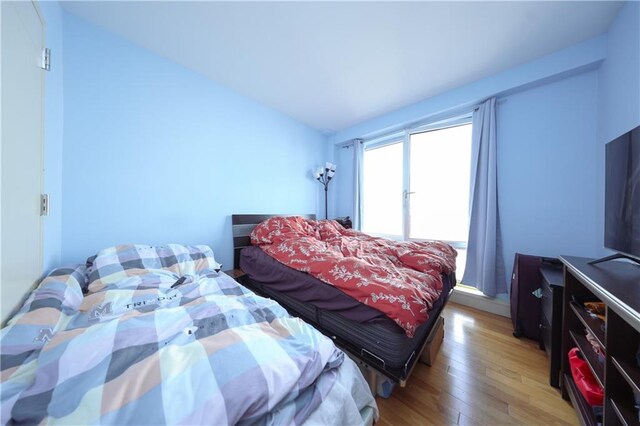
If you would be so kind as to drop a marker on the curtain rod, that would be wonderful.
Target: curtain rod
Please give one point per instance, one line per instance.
(498, 101)
(349, 144)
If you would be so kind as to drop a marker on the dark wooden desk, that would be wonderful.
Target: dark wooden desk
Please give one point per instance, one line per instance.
(551, 318)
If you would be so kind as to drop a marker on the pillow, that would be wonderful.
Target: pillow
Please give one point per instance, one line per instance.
(277, 229)
(169, 262)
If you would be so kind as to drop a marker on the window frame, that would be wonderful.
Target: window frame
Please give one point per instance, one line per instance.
(404, 136)
(459, 120)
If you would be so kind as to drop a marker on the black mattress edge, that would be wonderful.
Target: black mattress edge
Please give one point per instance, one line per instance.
(344, 332)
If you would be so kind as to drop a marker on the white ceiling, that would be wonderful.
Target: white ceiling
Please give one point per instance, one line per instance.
(334, 64)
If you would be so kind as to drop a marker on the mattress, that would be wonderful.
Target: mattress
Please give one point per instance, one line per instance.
(357, 328)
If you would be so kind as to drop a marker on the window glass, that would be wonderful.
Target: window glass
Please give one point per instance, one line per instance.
(439, 179)
(382, 190)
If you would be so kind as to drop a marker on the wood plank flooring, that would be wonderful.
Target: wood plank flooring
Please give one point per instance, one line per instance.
(482, 375)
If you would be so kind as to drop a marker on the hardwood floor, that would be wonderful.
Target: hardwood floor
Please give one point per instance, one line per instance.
(482, 375)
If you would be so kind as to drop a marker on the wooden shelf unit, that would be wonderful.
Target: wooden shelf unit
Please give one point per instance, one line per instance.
(617, 284)
(585, 347)
(579, 403)
(593, 324)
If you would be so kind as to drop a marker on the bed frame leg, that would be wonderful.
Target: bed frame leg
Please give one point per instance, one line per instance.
(372, 380)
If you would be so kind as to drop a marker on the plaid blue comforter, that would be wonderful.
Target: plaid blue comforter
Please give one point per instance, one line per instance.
(143, 347)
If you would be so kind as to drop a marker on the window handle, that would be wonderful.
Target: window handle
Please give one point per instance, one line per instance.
(407, 193)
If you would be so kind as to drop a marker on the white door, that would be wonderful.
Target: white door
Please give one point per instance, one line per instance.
(22, 146)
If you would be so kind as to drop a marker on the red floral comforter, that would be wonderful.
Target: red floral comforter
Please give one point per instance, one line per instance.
(402, 279)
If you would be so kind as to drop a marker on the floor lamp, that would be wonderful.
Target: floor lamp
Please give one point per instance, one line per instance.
(324, 175)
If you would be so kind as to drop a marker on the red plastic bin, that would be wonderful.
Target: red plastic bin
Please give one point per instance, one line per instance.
(583, 377)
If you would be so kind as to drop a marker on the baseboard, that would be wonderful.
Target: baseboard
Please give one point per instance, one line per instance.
(488, 304)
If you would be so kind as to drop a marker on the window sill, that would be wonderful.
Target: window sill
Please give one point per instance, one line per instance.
(470, 296)
(468, 289)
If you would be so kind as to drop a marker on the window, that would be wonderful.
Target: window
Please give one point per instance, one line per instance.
(440, 163)
(416, 185)
(382, 190)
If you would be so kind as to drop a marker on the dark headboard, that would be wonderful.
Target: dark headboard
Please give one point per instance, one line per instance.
(243, 224)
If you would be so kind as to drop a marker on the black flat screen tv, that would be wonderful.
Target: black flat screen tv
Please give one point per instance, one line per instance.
(622, 194)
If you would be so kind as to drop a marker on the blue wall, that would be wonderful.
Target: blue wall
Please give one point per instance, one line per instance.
(546, 159)
(53, 135)
(154, 153)
(619, 76)
(618, 93)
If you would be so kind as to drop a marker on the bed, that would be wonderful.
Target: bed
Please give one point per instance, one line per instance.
(159, 335)
(367, 334)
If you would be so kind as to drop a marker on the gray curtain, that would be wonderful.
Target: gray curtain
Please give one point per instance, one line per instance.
(485, 264)
(358, 155)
